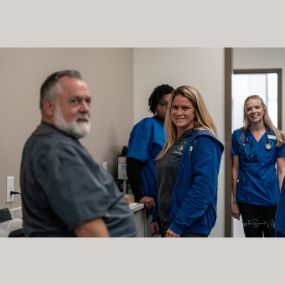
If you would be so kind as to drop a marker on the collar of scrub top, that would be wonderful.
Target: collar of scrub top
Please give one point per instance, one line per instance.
(247, 145)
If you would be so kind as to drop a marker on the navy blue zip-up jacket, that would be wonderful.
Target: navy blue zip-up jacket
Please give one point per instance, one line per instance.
(194, 200)
(280, 214)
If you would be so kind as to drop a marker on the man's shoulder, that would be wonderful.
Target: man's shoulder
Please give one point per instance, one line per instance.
(46, 138)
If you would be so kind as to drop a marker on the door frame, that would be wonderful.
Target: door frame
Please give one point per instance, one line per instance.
(228, 139)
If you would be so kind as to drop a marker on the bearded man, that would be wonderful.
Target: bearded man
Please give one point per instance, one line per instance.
(65, 193)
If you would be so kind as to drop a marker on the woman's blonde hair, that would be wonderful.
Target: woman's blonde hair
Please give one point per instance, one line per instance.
(202, 118)
(266, 119)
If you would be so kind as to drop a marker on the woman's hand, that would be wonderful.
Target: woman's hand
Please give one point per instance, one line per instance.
(147, 201)
(235, 211)
(154, 229)
(170, 233)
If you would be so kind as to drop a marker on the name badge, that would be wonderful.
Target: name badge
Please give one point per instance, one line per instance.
(271, 137)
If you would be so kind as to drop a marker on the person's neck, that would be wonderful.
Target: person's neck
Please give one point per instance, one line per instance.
(160, 119)
(257, 127)
(47, 120)
(180, 132)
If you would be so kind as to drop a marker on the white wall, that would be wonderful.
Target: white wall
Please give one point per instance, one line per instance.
(201, 67)
(245, 58)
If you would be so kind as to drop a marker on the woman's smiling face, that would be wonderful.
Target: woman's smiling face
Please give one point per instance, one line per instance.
(182, 113)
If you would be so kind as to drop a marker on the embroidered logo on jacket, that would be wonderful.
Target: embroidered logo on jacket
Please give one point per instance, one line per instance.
(179, 150)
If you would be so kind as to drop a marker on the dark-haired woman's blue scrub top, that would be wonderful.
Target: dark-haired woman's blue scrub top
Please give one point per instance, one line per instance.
(257, 182)
(146, 141)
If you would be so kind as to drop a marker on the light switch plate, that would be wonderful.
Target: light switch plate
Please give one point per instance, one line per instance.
(10, 188)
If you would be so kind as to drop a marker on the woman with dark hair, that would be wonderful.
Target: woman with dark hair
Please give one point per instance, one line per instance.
(146, 141)
(256, 148)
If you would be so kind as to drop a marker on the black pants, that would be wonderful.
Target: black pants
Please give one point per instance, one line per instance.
(258, 221)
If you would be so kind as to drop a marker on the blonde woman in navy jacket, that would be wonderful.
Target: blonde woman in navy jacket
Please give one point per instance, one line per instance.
(188, 168)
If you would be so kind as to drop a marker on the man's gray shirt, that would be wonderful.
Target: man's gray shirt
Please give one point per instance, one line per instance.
(62, 187)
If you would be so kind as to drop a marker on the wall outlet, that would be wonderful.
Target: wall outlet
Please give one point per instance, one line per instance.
(10, 188)
(105, 165)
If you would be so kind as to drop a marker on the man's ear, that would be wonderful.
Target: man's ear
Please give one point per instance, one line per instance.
(48, 108)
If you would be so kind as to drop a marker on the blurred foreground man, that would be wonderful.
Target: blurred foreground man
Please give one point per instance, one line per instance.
(64, 191)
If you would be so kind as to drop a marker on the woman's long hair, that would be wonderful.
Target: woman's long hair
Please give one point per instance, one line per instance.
(202, 118)
(266, 120)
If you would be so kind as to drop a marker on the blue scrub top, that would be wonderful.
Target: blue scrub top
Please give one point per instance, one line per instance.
(146, 141)
(257, 182)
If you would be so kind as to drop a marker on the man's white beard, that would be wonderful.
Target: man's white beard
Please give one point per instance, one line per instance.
(74, 128)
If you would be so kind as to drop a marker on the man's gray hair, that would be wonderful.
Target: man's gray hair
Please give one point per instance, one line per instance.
(48, 89)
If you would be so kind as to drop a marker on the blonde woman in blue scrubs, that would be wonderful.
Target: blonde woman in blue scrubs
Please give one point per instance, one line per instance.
(257, 148)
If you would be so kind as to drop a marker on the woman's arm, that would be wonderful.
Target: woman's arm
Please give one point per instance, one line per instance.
(134, 168)
(234, 206)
